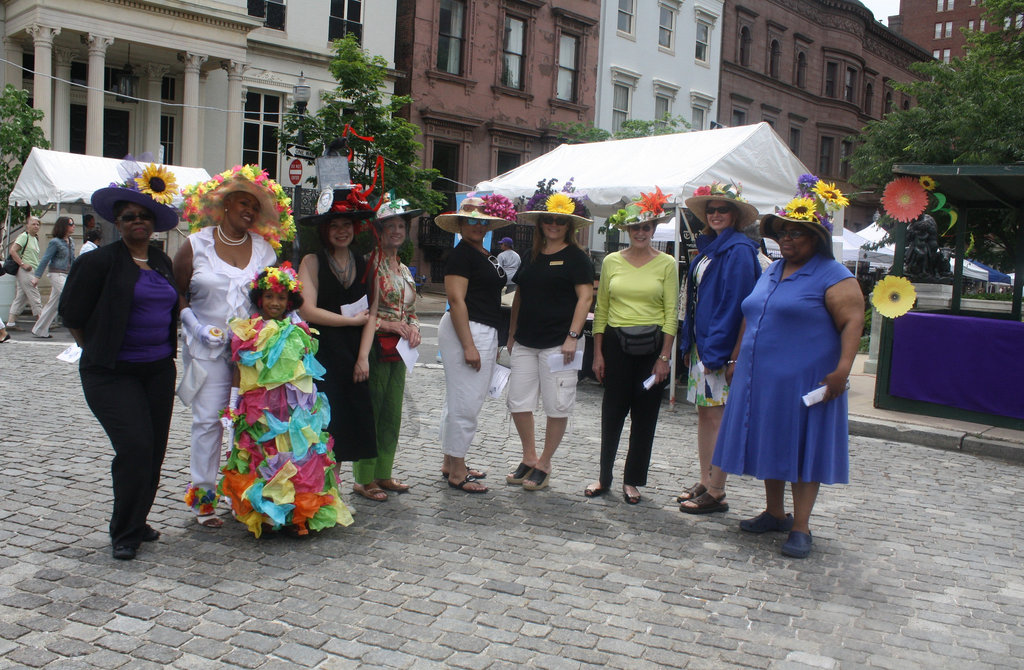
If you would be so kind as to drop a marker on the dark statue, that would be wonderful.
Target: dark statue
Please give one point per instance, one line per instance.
(923, 261)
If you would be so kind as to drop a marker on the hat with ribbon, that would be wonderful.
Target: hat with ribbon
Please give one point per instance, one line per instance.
(339, 197)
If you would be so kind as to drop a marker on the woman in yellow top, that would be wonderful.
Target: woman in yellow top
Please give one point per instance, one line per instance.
(635, 325)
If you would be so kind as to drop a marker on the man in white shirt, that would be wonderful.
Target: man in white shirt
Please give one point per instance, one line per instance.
(509, 261)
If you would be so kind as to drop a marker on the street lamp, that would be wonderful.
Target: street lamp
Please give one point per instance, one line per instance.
(301, 93)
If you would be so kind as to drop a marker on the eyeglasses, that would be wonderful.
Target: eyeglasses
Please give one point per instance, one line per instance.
(794, 234)
(556, 222)
(142, 216)
(494, 262)
(718, 210)
(646, 227)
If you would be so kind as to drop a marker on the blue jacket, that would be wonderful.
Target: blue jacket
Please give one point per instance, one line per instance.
(58, 256)
(713, 317)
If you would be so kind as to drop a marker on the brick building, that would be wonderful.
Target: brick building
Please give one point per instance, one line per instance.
(488, 79)
(817, 71)
(937, 25)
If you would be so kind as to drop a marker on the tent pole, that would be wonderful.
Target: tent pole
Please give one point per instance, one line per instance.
(677, 242)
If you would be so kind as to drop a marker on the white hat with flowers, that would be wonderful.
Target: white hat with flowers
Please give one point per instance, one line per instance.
(493, 211)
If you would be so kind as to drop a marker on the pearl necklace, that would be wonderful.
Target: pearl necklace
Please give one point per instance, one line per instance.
(140, 260)
(228, 241)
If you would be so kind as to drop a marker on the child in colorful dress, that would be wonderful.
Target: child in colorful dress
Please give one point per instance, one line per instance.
(280, 473)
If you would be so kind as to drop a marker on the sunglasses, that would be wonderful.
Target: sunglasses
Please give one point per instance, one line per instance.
(794, 234)
(494, 262)
(645, 227)
(718, 210)
(556, 222)
(141, 216)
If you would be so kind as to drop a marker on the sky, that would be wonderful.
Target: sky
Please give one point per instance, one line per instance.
(883, 9)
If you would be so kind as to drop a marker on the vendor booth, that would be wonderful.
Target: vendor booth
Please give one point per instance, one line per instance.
(954, 362)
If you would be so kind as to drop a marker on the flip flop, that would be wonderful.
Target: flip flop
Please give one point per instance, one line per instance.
(370, 492)
(470, 479)
(392, 485)
(475, 474)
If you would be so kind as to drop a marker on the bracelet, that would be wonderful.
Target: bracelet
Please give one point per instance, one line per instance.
(663, 357)
(730, 362)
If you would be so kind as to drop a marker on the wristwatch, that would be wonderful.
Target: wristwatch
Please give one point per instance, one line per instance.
(663, 357)
(574, 335)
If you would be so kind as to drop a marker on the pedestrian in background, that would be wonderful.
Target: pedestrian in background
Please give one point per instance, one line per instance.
(509, 261)
(554, 292)
(801, 329)
(25, 252)
(467, 335)
(121, 305)
(92, 240)
(393, 306)
(720, 277)
(56, 262)
(635, 323)
(237, 220)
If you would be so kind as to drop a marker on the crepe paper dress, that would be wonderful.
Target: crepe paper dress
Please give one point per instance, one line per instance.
(789, 345)
(281, 469)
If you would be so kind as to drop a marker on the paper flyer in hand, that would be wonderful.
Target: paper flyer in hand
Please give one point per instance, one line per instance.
(409, 354)
(355, 308)
(499, 378)
(556, 364)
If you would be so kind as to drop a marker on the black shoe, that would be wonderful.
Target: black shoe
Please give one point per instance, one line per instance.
(150, 534)
(125, 552)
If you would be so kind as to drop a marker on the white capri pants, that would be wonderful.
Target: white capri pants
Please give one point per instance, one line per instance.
(465, 388)
(207, 431)
(531, 376)
(49, 313)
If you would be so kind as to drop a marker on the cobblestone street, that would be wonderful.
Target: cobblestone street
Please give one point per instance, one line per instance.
(916, 563)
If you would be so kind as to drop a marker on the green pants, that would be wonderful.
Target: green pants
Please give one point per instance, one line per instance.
(387, 386)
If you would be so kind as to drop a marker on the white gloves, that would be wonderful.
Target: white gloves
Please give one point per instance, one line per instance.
(233, 407)
(211, 336)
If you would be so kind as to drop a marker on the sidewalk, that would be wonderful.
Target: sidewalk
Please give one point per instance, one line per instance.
(868, 421)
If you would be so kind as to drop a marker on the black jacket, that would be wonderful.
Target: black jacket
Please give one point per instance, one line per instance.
(98, 296)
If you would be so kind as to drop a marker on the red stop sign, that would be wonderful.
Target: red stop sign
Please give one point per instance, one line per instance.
(295, 172)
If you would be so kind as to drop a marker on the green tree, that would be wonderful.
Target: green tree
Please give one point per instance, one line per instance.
(18, 134)
(359, 101)
(581, 133)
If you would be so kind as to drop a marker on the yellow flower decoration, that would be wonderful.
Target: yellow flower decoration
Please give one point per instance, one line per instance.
(801, 209)
(830, 194)
(893, 296)
(560, 203)
(927, 183)
(158, 183)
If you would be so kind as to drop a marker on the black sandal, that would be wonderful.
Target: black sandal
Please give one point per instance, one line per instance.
(521, 473)
(592, 492)
(705, 503)
(470, 479)
(630, 500)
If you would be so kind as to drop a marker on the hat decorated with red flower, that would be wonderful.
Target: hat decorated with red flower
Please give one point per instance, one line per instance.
(728, 193)
(566, 204)
(278, 279)
(493, 211)
(204, 203)
(815, 203)
(648, 208)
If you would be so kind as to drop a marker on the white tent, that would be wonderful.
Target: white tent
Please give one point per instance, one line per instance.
(853, 251)
(58, 178)
(611, 173)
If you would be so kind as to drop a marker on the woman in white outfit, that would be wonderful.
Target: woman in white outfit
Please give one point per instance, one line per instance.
(237, 217)
(468, 335)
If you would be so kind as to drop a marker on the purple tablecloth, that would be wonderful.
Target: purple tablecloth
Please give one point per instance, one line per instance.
(959, 361)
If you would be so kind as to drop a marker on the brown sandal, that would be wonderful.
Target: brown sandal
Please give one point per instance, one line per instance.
(705, 503)
(694, 491)
(392, 485)
(370, 492)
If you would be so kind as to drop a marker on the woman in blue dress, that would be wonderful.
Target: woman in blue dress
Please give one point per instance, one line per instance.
(801, 329)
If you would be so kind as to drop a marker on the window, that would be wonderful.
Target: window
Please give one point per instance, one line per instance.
(666, 27)
(259, 131)
(794, 139)
(945, 55)
(982, 24)
(167, 139)
(507, 160)
(346, 19)
(949, 29)
(831, 72)
(446, 162)
(745, 40)
(938, 31)
(626, 16)
(703, 48)
(621, 95)
(937, 54)
(970, 25)
(512, 53)
(568, 46)
(450, 36)
(825, 156)
(888, 101)
(662, 107)
(801, 70)
(850, 85)
(869, 97)
(845, 149)
(739, 117)
(697, 118)
(949, 5)
(774, 59)
(271, 11)
(939, 5)
(167, 88)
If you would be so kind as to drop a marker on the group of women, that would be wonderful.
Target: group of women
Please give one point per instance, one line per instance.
(782, 332)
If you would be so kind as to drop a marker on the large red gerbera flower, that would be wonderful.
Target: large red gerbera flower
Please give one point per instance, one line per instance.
(904, 199)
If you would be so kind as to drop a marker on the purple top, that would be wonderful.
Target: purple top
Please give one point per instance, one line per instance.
(146, 335)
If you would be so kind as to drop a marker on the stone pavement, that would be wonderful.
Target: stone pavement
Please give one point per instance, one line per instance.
(916, 563)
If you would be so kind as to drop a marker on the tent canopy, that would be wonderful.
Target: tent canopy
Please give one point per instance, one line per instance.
(55, 177)
(611, 173)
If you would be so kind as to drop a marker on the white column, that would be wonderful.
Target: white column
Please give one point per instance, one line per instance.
(190, 112)
(155, 73)
(94, 97)
(233, 139)
(42, 91)
(13, 52)
(62, 98)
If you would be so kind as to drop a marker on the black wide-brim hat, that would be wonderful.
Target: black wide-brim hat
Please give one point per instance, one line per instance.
(104, 199)
(339, 209)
